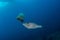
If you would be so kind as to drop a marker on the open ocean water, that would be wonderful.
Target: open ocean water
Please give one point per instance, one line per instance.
(43, 12)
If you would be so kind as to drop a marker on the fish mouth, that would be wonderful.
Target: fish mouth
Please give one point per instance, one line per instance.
(21, 20)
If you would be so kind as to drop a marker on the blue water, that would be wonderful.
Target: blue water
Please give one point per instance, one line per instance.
(43, 12)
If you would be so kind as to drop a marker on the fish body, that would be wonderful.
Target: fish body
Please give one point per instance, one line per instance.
(32, 25)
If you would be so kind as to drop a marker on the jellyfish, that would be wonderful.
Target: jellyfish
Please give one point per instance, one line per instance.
(20, 17)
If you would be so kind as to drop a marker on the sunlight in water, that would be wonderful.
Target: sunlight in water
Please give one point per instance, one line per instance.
(3, 4)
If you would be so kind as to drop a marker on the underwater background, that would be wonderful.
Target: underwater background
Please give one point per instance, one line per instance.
(43, 12)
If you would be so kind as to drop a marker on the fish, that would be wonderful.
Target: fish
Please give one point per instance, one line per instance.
(28, 25)
(32, 25)
(20, 17)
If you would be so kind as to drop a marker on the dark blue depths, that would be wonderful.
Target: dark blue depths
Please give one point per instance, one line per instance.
(43, 12)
